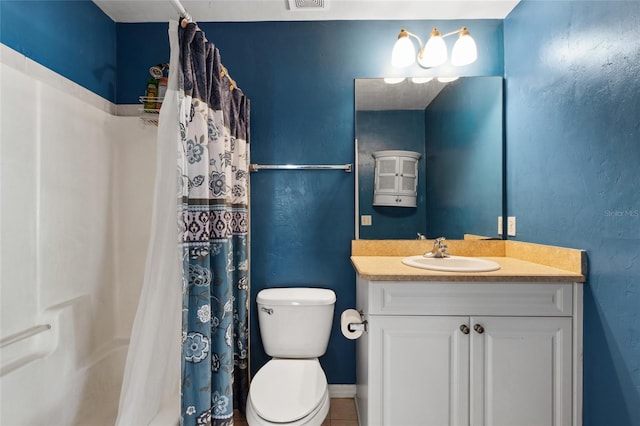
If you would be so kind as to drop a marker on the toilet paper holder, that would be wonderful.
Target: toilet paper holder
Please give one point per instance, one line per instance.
(358, 326)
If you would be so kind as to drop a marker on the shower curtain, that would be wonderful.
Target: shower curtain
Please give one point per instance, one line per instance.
(213, 179)
(204, 131)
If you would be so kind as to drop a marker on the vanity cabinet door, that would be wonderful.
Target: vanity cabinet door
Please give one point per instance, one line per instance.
(422, 370)
(386, 172)
(408, 179)
(521, 371)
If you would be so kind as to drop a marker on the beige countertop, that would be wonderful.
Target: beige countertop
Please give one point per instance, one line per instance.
(390, 268)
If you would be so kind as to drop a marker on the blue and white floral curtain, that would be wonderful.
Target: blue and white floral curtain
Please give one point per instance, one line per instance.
(213, 182)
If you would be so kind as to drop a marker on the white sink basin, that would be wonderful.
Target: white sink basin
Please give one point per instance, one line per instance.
(452, 264)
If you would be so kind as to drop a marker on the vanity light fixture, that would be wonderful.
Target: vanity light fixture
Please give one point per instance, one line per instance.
(434, 53)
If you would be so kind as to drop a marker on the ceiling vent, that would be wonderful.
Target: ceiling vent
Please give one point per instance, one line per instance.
(307, 5)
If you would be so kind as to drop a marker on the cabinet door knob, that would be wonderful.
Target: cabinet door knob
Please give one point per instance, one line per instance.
(464, 328)
(478, 328)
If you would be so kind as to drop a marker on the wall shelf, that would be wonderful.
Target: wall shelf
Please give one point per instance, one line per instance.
(149, 113)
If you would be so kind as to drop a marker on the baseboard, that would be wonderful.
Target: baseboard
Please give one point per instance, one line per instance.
(342, 391)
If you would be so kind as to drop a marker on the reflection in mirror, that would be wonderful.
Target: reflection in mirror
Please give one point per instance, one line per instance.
(458, 128)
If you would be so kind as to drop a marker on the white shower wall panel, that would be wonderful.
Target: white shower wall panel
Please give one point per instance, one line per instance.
(19, 201)
(134, 177)
(75, 195)
(55, 198)
(75, 213)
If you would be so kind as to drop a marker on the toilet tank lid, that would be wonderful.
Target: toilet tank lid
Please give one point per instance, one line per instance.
(296, 296)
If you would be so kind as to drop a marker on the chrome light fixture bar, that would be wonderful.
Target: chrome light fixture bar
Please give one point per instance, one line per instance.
(434, 53)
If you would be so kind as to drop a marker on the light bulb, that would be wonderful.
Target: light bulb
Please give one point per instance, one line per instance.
(464, 51)
(447, 79)
(421, 80)
(404, 52)
(393, 80)
(434, 52)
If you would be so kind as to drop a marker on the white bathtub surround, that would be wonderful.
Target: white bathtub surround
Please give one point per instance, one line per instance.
(75, 188)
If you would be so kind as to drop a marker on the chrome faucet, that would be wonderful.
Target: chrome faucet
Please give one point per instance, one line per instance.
(439, 249)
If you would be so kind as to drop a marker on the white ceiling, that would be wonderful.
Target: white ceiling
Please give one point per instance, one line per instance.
(373, 94)
(278, 10)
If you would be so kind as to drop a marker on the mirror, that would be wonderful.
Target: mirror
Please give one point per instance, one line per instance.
(458, 128)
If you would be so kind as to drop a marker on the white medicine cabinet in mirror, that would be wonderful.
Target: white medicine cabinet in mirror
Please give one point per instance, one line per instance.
(457, 128)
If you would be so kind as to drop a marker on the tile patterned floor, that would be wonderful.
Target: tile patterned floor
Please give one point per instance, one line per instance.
(341, 413)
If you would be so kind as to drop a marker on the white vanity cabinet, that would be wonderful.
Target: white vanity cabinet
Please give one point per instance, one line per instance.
(469, 353)
(396, 178)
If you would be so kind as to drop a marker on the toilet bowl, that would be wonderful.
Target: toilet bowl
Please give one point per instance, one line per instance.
(293, 392)
(291, 389)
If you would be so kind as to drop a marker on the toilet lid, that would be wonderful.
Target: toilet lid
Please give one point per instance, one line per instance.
(286, 390)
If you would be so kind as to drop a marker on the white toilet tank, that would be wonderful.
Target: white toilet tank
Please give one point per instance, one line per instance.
(295, 322)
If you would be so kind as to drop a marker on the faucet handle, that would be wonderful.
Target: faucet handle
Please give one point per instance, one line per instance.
(439, 243)
(439, 249)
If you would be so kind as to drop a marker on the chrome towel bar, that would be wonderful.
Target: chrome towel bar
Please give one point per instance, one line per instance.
(255, 167)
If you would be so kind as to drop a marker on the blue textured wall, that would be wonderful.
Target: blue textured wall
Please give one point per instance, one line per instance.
(383, 130)
(464, 159)
(73, 38)
(140, 46)
(573, 160)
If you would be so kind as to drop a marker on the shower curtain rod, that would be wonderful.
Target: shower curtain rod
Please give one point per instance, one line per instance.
(181, 10)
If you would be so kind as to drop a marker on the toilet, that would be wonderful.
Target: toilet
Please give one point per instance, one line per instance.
(291, 389)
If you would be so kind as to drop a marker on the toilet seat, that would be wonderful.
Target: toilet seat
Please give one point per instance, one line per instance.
(288, 390)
